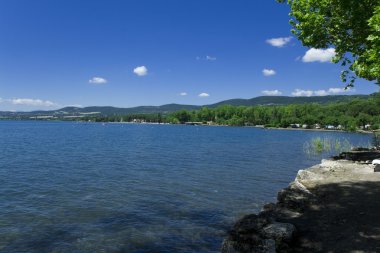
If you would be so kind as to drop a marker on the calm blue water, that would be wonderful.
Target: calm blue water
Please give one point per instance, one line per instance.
(87, 187)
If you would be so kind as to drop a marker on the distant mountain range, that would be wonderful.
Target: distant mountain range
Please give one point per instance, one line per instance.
(68, 112)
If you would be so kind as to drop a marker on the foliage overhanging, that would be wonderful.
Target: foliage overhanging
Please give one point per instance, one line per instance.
(352, 27)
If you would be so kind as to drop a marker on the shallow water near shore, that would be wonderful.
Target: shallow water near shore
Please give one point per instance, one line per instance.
(89, 187)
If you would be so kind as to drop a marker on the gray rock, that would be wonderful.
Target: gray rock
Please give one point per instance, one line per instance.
(282, 232)
(265, 246)
(249, 224)
(359, 155)
(228, 246)
(270, 246)
(270, 230)
(259, 234)
(293, 198)
(275, 213)
(269, 207)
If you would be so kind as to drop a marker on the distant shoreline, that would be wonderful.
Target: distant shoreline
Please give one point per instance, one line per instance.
(320, 130)
(205, 125)
(260, 127)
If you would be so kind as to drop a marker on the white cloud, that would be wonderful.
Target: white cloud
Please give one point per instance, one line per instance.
(140, 71)
(203, 95)
(321, 93)
(97, 80)
(269, 72)
(206, 58)
(210, 58)
(319, 55)
(183, 94)
(279, 42)
(339, 90)
(30, 102)
(330, 91)
(271, 92)
(302, 93)
(74, 105)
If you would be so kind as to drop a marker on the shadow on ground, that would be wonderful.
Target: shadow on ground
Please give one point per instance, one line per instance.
(346, 218)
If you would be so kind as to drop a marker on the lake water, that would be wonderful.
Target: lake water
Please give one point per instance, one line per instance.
(89, 187)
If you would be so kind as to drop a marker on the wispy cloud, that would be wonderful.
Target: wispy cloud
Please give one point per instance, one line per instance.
(98, 80)
(321, 93)
(319, 55)
(339, 90)
(330, 91)
(30, 102)
(74, 105)
(210, 58)
(279, 42)
(140, 71)
(302, 93)
(207, 58)
(271, 92)
(203, 95)
(183, 94)
(335, 91)
(269, 72)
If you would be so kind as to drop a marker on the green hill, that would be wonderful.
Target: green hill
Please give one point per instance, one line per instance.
(283, 100)
(111, 111)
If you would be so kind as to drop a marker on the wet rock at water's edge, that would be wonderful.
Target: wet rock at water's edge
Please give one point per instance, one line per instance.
(259, 234)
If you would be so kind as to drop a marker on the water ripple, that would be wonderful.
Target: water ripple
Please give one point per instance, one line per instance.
(85, 187)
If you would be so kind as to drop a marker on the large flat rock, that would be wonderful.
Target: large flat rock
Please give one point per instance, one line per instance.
(344, 216)
(331, 207)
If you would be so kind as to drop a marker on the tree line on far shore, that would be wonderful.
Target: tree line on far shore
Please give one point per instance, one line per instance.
(358, 113)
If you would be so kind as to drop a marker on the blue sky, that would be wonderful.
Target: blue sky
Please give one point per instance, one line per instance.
(149, 52)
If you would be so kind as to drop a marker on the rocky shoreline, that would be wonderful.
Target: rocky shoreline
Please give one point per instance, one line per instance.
(330, 207)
